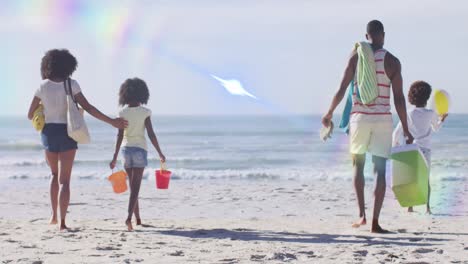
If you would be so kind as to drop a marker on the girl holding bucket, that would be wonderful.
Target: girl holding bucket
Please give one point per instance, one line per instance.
(133, 94)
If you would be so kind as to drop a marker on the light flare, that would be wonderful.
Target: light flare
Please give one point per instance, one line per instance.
(234, 87)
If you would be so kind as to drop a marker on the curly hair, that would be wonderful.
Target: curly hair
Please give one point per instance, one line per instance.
(133, 91)
(419, 93)
(58, 64)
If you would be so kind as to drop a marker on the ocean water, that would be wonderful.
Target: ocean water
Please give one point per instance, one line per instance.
(225, 147)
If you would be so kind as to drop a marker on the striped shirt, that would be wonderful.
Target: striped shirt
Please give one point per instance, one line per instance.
(380, 108)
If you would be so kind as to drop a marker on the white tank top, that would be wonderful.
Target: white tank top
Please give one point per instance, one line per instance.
(379, 109)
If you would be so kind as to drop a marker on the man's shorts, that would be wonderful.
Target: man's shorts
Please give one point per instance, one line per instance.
(134, 157)
(372, 137)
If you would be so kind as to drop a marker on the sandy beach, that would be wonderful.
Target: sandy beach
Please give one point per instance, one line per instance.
(228, 222)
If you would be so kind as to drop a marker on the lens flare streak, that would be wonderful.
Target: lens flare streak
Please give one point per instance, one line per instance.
(234, 87)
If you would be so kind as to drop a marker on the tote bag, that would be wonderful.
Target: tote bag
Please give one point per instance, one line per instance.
(76, 126)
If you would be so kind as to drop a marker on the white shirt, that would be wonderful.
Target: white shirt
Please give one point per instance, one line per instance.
(54, 100)
(421, 123)
(134, 134)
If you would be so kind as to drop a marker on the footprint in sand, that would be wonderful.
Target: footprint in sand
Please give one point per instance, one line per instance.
(28, 246)
(309, 254)
(53, 253)
(360, 253)
(229, 261)
(391, 257)
(382, 252)
(116, 255)
(95, 255)
(283, 257)
(257, 257)
(107, 248)
(423, 250)
(178, 253)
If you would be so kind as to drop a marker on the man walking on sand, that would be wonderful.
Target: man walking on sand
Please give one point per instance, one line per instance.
(371, 124)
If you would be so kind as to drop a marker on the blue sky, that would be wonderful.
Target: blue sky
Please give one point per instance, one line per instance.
(289, 53)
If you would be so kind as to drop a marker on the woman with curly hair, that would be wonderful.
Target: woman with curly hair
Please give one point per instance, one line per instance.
(421, 123)
(56, 68)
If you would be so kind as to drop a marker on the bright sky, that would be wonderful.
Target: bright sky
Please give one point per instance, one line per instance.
(290, 53)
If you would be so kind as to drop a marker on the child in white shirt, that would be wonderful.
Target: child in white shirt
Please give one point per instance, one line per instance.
(421, 123)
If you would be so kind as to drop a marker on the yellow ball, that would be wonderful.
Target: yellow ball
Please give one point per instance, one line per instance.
(441, 102)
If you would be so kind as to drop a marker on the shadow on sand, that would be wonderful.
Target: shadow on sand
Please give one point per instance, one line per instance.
(255, 235)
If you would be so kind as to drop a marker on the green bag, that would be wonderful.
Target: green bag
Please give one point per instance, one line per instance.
(410, 175)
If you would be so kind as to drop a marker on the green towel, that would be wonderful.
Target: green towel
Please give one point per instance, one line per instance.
(366, 73)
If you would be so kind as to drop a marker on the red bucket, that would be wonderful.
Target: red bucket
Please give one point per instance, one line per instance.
(162, 178)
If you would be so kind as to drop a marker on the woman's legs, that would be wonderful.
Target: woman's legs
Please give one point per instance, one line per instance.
(66, 163)
(135, 183)
(52, 160)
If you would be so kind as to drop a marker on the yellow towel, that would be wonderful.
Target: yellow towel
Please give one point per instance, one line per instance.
(38, 120)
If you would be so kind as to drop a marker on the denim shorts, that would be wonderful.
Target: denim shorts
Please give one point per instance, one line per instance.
(55, 138)
(134, 157)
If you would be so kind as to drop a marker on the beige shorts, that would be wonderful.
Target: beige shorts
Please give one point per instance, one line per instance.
(371, 137)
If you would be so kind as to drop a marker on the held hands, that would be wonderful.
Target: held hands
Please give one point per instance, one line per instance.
(119, 123)
(409, 138)
(112, 164)
(326, 119)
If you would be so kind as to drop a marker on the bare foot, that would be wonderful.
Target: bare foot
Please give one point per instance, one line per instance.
(410, 209)
(359, 223)
(377, 229)
(129, 225)
(138, 221)
(53, 220)
(63, 227)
